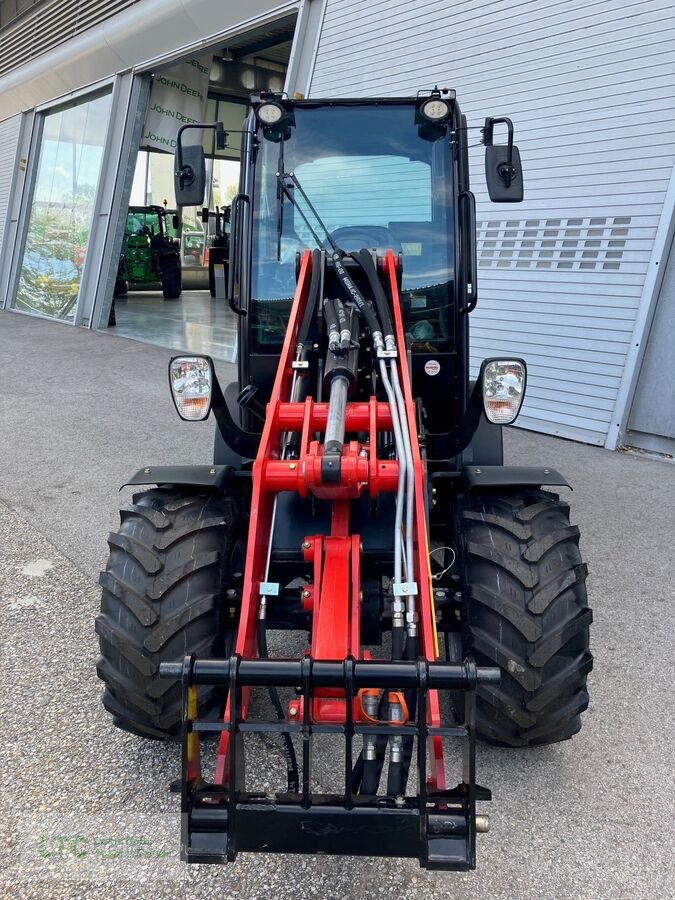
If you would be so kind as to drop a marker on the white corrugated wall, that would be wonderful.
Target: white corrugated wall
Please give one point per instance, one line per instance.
(591, 89)
(9, 136)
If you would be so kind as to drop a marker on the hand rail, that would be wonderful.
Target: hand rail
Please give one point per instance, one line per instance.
(236, 245)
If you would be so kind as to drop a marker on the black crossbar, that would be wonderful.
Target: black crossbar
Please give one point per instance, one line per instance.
(330, 829)
(325, 674)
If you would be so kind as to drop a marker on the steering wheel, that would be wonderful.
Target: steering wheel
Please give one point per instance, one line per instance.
(355, 237)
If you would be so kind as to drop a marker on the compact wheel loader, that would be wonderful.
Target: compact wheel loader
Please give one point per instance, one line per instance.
(427, 594)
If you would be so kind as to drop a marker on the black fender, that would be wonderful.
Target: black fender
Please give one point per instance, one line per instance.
(477, 477)
(209, 478)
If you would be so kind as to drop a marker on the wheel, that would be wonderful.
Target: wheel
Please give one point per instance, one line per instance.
(527, 614)
(121, 288)
(172, 278)
(164, 595)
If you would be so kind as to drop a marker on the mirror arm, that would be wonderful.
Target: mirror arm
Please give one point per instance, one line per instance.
(506, 170)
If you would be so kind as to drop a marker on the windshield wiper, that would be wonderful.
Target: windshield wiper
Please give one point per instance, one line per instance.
(289, 185)
(280, 198)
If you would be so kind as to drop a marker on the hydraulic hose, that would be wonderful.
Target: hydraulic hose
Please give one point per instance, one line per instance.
(287, 743)
(371, 777)
(332, 326)
(364, 307)
(398, 443)
(411, 652)
(310, 309)
(395, 778)
(397, 643)
(410, 472)
(366, 773)
(365, 260)
(345, 326)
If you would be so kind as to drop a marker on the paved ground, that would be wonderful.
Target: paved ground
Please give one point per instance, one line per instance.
(86, 810)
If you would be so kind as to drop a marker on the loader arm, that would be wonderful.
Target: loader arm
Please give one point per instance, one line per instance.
(389, 704)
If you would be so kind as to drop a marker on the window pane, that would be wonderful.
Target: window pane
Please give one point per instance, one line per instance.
(363, 190)
(69, 166)
(371, 177)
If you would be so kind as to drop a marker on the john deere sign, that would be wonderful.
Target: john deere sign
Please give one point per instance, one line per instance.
(178, 98)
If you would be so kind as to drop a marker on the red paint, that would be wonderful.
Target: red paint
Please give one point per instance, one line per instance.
(333, 598)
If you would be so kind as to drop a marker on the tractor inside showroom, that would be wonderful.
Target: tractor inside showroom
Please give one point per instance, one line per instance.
(150, 251)
(427, 594)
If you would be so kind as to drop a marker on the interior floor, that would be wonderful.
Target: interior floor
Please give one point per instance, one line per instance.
(196, 322)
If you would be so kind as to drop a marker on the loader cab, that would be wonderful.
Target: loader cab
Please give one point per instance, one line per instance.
(375, 174)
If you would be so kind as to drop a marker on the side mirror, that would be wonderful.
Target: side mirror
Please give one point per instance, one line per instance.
(205, 214)
(190, 168)
(503, 169)
(176, 222)
(190, 175)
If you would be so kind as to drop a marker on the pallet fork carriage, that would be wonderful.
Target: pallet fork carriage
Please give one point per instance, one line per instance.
(357, 488)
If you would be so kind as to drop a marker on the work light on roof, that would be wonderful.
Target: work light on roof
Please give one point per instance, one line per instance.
(269, 113)
(435, 110)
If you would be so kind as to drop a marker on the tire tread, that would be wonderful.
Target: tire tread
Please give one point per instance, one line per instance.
(527, 613)
(163, 595)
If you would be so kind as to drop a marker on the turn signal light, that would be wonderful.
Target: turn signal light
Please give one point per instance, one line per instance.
(191, 382)
(503, 383)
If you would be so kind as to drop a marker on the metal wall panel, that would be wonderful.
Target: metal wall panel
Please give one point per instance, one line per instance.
(652, 418)
(143, 36)
(589, 86)
(50, 24)
(9, 137)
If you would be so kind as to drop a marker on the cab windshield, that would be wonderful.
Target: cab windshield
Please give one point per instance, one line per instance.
(374, 181)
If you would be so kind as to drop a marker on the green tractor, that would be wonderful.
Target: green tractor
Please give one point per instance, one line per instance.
(151, 251)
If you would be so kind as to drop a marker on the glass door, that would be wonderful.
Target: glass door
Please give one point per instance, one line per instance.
(71, 145)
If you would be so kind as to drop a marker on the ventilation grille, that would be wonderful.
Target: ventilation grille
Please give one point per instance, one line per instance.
(52, 23)
(582, 244)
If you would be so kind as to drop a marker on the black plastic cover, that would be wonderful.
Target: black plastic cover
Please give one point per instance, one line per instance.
(511, 476)
(213, 478)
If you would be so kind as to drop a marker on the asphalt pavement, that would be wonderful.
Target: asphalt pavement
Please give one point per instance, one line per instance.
(86, 808)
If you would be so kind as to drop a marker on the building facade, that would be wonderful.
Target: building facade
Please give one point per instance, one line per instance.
(579, 279)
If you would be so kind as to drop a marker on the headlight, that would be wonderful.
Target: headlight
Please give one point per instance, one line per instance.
(191, 382)
(503, 385)
(435, 109)
(269, 113)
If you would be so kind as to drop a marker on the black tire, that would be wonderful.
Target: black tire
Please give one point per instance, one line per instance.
(170, 564)
(527, 614)
(121, 288)
(172, 278)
